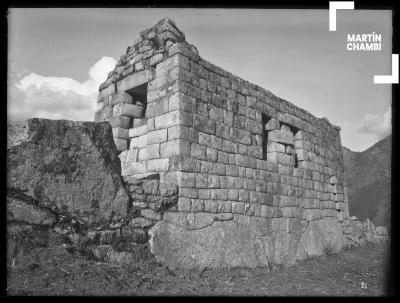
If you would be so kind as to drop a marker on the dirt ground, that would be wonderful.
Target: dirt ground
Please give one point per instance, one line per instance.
(58, 271)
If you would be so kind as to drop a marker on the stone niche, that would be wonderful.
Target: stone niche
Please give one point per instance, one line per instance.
(125, 108)
(260, 180)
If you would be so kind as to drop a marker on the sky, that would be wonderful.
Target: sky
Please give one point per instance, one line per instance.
(57, 58)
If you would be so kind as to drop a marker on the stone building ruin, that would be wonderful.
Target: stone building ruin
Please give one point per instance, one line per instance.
(260, 180)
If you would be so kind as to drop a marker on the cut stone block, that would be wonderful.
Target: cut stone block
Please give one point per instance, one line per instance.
(272, 124)
(106, 112)
(281, 136)
(275, 147)
(121, 144)
(157, 136)
(290, 150)
(173, 118)
(204, 124)
(138, 131)
(131, 155)
(138, 142)
(106, 92)
(135, 80)
(120, 133)
(130, 110)
(149, 152)
(133, 168)
(121, 97)
(156, 59)
(139, 122)
(100, 105)
(119, 121)
(285, 128)
(158, 165)
(301, 154)
(333, 180)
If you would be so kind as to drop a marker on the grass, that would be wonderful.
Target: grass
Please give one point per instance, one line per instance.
(60, 271)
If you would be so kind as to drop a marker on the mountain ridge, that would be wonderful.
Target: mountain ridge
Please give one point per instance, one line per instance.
(368, 177)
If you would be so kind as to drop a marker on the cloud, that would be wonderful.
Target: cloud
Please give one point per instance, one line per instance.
(35, 95)
(379, 125)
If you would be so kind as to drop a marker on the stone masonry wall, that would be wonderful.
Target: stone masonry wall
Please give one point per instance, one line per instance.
(243, 159)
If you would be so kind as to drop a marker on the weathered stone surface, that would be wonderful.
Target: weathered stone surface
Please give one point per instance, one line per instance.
(135, 80)
(322, 236)
(119, 121)
(273, 123)
(362, 232)
(120, 133)
(141, 222)
(23, 212)
(281, 136)
(135, 235)
(121, 97)
(69, 167)
(138, 131)
(121, 144)
(150, 214)
(240, 242)
(253, 170)
(130, 110)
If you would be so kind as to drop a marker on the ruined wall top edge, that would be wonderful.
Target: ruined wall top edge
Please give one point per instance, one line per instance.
(165, 39)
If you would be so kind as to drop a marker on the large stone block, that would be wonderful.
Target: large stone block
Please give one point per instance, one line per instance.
(231, 243)
(121, 133)
(119, 121)
(204, 124)
(158, 165)
(157, 108)
(198, 151)
(130, 110)
(157, 136)
(151, 151)
(281, 136)
(240, 136)
(138, 142)
(139, 122)
(121, 97)
(135, 80)
(175, 147)
(272, 124)
(121, 144)
(173, 118)
(134, 168)
(275, 147)
(182, 132)
(138, 131)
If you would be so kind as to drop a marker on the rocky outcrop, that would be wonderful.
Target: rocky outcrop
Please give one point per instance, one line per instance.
(64, 181)
(361, 232)
(65, 169)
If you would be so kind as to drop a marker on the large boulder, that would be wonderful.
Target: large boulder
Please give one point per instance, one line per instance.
(61, 168)
(203, 240)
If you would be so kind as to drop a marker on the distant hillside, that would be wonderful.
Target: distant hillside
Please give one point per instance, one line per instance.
(368, 176)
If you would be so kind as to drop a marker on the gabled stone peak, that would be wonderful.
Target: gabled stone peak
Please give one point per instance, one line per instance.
(149, 49)
(163, 26)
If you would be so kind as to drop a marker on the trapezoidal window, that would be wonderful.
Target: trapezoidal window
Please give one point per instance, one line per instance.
(278, 141)
(139, 96)
(290, 148)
